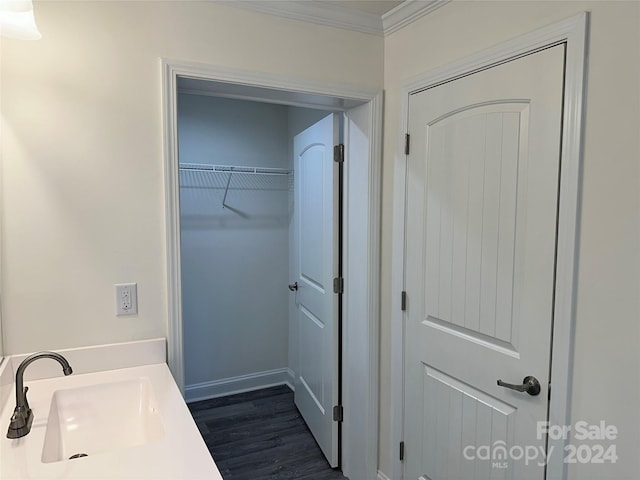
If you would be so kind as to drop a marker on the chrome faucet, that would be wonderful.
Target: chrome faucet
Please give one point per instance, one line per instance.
(22, 417)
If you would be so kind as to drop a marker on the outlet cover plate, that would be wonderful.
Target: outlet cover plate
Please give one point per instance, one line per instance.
(126, 299)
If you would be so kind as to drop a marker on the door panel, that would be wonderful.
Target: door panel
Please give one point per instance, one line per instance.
(456, 415)
(311, 212)
(317, 308)
(481, 213)
(470, 238)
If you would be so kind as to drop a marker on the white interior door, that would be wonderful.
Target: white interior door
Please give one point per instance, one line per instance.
(316, 384)
(481, 213)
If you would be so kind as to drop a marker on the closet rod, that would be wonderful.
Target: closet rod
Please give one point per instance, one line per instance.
(201, 167)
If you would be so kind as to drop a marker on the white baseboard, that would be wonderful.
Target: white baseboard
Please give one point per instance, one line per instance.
(243, 383)
(382, 476)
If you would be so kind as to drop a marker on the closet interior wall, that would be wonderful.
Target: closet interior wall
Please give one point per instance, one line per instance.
(236, 257)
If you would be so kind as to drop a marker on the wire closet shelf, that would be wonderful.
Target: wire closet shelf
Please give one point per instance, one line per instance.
(207, 168)
(234, 177)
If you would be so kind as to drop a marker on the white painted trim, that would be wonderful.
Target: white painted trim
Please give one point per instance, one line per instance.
(332, 15)
(408, 12)
(362, 405)
(266, 80)
(398, 283)
(382, 476)
(175, 357)
(567, 249)
(320, 13)
(362, 281)
(573, 32)
(239, 384)
(374, 234)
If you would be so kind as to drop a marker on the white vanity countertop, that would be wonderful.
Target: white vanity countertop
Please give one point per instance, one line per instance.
(179, 454)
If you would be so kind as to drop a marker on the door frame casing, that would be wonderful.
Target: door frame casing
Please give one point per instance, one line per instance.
(573, 33)
(362, 188)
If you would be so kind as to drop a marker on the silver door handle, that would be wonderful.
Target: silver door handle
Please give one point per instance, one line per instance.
(293, 286)
(531, 385)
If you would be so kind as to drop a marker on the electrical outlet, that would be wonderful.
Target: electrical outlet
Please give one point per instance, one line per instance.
(126, 299)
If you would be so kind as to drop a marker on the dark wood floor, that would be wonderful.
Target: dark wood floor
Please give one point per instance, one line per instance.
(260, 435)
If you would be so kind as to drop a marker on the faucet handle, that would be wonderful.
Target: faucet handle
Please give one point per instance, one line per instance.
(18, 419)
(20, 413)
(20, 423)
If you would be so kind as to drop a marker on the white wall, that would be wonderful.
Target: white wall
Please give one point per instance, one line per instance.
(235, 261)
(82, 151)
(607, 357)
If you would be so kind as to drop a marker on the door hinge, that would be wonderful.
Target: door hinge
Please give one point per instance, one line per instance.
(338, 153)
(401, 450)
(549, 394)
(338, 413)
(406, 144)
(403, 301)
(338, 285)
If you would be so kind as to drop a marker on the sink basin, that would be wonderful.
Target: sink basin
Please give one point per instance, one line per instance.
(100, 418)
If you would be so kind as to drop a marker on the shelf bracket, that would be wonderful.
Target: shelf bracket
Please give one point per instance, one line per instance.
(226, 190)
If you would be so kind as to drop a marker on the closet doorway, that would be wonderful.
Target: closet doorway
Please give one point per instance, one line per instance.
(259, 212)
(251, 195)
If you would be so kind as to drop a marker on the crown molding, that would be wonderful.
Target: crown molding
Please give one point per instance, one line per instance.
(333, 15)
(408, 12)
(319, 13)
